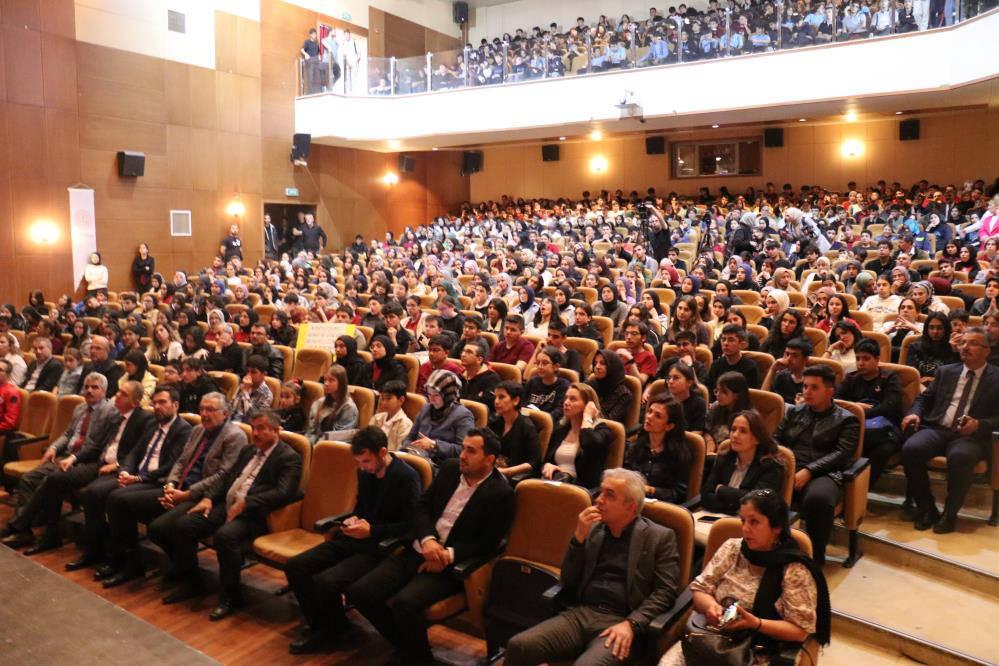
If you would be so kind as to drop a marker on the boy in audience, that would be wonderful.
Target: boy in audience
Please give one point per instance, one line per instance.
(479, 379)
(583, 325)
(437, 360)
(789, 370)
(514, 348)
(471, 331)
(638, 361)
(393, 328)
(879, 392)
(734, 339)
(253, 393)
(390, 417)
(195, 384)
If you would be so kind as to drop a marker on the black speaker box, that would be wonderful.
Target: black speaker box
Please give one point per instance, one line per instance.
(549, 153)
(655, 145)
(407, 164)
(300, 144)
(461, 12)
(773, 137)
(908, 130)
(471, 162)
(131, 163)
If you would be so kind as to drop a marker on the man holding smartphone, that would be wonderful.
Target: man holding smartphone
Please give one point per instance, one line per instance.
(387, 492)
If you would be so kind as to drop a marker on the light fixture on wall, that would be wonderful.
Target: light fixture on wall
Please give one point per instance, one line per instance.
(390, 178)
(598, 164)
(44, 232)
(851, 116)
(236, 207)
(596, 135)
(852, 148)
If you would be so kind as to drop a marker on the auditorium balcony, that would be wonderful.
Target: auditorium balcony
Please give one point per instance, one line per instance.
(435, 101)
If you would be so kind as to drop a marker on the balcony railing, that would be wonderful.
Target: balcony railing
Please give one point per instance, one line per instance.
(507, 63)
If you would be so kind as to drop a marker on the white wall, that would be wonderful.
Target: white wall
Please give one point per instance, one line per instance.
(433, 14)
(493, 21)
(140, 26)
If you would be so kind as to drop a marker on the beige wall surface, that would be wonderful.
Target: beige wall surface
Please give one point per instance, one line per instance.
(952, 148)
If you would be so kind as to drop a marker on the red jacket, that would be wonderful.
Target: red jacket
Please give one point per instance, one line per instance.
(10, 406)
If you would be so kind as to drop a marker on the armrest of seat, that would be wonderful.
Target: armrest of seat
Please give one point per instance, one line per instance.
(14, 439)
(324, 524)
(855, 469)
(287, 517)
(692, 503)
(552, 592)
(386, 546)
(464, 569)
(664, 620)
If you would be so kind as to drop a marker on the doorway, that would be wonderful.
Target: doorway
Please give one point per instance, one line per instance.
(285, 217)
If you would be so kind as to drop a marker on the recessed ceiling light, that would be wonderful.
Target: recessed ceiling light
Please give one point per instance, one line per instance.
(851, 116)
(898, 113)
(561, 138)
(596, 135)
(435, 148)
(801, 120)
(714, 127)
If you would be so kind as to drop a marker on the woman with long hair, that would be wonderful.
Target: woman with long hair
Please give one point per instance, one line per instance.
(538, 324)
(686, 317)
(933, 348)
(336, 411)
(578, 446)
(681, 382)
(495, 319)
(780, 592)
(80, 337)
(607, 380)
(847, 334)
(137, 370)
(788, 326)
(660, 453)
(143, 267)
(731, 397)
(193, 343)
(164, 345)
(903, 325)
(751, 462)
(280, 329)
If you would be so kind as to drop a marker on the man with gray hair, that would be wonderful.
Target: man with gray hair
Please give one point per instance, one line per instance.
(92, 423)
(620, 572)
(100, 362)
(228, 355)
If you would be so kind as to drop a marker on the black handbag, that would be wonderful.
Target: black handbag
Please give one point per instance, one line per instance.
(706, 646)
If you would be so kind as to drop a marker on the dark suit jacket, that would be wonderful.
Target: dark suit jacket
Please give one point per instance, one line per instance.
(482, 524)
(230, 359)
(111, 370)
(388, 503)
(102, 419)
(276, 483)
(766, 473)
(49, 376)
(172, 444)
(138, 422)
(653, 568)
(931, 404)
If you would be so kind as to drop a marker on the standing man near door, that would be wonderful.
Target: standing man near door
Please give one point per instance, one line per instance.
(272, 250)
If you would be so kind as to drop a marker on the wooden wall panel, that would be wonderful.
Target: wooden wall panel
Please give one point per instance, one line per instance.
(114, 99)
(248, 48)
(227, 102)
(376, 32)
(116, 134)
(59, 72)
(203, 102)
(23, 14)
(22, 54)
(203, 165)
(26, 141)
(62, 139)
(179, 172)
(178, 93)
(226, 42)
(58, 17)
(132, 69)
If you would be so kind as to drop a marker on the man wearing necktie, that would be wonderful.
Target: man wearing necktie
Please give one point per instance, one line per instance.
(233, 510)
(90, 426)
(140, 463)
(208, 454)
(953, 417)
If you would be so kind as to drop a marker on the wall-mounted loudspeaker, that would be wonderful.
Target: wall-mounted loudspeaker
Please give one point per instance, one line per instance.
(461, 12)
(773, 137)
(471, 162)
(908, 130)
(300, 144)
(655, 145)
(549, 153)
(407, 164)
(131, 163)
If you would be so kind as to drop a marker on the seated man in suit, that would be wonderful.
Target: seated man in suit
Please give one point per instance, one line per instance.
(387, 492)
(823, 437)
(463, 515)
(44, 372)
(228, 356)
(619, 573)
(233, 509)
(101, 362)
(207, 456)
(953, 417)
(88, 429)
(147, 461)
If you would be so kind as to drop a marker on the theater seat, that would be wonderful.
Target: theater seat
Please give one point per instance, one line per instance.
(479, 411)
(228, 383)
(586, 349)
(506, 371)
(311, 364)
(364, 398)
(286, 517)
(543, 424)
(769, 405)
(46, 417)
(331, 490)
(543, 523)
(667, 628)
(412, 366)
(856, 482)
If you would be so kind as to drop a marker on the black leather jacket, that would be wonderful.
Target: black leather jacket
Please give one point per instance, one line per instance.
(822, 442)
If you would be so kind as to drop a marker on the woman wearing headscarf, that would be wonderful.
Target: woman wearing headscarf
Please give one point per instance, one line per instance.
(607, 380)
(246, 319)
(922, 293)
(358, 370)
(525, 305)
(441, 425)
(385, 367)
(775, 303)
(610, 306)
